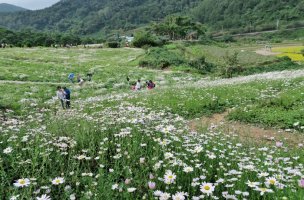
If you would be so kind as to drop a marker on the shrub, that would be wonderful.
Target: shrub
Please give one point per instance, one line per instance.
(283, 63)
(232, 65)
(145, 39)
(285, 59)
(113, 44)
(161, 58)
(227, 38)
(201, 65)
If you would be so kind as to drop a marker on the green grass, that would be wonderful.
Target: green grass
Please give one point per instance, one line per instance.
(271, 104)
(54, 65)
(216, 54)
(113, 135)
(277, 107)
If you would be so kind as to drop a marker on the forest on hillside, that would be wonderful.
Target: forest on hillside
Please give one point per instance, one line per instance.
(89, 17)
(250, 15)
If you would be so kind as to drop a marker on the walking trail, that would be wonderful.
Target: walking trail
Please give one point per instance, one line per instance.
(287, 75)
(266, 52)
(30, 82)
(246, 132)
(292, 74)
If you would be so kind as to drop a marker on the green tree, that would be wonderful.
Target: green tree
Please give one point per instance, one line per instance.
(177, 27)
(144, 38)
(231, 65)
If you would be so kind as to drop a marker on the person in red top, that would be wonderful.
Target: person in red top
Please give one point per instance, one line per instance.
(150, 85)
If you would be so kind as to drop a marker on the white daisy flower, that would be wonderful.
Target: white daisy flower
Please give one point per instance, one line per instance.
(207, 188)
(22, 182)
(43, 197)
(131, 189)
(169, 177)
(8, 150)
(58, 181)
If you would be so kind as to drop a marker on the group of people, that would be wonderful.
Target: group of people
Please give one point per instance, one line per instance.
(80, 80)
(138, 86)
(64, 95)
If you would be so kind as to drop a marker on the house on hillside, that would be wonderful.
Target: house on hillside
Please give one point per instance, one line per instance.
(128, 40)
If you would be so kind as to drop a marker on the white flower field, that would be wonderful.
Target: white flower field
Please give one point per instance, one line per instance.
(115, 143)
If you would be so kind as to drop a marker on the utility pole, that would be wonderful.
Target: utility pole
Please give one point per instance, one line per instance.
(250, 25)
(278, 24)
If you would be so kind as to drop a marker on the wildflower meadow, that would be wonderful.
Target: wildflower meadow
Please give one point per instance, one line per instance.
(115, 143)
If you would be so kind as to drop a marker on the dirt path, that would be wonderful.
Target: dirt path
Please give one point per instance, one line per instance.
(286, 75)
(31, 82)
(247, 133)
(292, 74)
(266, 53)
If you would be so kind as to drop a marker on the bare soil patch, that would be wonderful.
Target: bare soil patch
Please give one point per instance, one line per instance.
(265, 52)
(246, 132)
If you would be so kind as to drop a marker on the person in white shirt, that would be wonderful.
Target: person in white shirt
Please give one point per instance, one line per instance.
(61, 95)
(138, 85)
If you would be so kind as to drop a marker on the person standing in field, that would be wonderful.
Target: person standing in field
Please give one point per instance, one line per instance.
(71, 77)
(67, 93)
(89, 75)
(138, 85)
(80, 80)
(61, 95)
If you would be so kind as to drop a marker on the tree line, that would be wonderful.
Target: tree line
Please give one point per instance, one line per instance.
(173, 27)
(86, 17)
(29, 38)
(240, 16)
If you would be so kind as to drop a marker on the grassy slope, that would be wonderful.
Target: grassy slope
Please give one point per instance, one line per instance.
(89, 130)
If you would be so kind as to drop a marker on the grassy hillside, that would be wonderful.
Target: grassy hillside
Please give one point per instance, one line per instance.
(91, 16)
(115, 143)
(251, 15)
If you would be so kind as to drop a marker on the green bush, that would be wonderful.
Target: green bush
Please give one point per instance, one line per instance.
(113, 44)
(283, 63)
(201, 65)
(142, 39)
(227, 38)
(160, 58)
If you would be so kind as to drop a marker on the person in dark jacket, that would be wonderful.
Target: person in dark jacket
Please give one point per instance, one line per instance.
(67, 93)
(150, 84)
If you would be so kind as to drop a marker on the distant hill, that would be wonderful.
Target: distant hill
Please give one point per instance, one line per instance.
(8, 8)
(87, 17)
(93, 16)
(250, 15)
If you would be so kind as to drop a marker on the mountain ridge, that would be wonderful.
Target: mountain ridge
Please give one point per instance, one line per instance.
(89, 17)
(8, 8)
(92, 16)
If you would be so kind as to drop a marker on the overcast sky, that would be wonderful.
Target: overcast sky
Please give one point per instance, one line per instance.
(31, 4)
